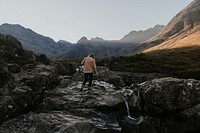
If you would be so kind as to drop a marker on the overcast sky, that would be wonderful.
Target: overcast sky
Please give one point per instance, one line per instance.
(72, 19)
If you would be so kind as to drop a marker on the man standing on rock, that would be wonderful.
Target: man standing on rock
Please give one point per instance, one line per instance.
(88, 69)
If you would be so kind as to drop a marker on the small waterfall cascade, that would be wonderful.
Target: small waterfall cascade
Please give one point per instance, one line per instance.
(128, 110)
(130, 119)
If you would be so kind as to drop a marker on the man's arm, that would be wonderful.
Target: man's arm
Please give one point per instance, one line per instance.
(83, 61)
(95, 67)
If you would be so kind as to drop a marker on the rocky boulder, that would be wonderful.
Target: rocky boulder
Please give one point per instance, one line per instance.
(104, 74)
(63, 67)
(165, 95)
(56, 122)
(101, 96)
(23, 80)
(130, 78)
(175, 102)
(24, 91)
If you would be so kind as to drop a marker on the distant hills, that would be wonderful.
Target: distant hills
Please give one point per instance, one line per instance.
(40, 44)
(181, 32)
(34, 41)
(100, 48)
(141, 36)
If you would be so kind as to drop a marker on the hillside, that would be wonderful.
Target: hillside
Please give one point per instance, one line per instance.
(182, 31)
(178, 62)
(40, 44)
(33, 41)
(141, 36)
(105, 48)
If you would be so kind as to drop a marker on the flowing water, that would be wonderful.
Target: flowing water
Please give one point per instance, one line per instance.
(127, 109)
(130, 119)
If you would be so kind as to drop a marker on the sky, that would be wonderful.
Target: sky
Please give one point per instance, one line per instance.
(72, 19)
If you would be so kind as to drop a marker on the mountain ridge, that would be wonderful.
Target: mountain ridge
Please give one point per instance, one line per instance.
(33, 41)
(40, 44)
(181, 31)
(142, 35)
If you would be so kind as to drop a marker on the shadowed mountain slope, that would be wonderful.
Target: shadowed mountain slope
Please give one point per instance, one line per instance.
(35, 42)
(40, 44)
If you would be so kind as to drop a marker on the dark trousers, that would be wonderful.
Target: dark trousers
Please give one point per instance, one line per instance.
(86, 76)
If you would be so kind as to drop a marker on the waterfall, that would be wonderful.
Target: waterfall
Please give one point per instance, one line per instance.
(127, 108)
(130, 119)
(128, 111)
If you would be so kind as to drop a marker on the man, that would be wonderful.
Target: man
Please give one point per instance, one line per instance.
(88, 69)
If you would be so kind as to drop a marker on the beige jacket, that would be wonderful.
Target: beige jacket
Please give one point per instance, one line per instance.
(89, 65)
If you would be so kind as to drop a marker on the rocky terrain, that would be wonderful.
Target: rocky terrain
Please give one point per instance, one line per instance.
(154, 92)
(41, 95)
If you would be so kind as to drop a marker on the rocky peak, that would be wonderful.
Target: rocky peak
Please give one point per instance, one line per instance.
(158, 27)
(142, 35)
(63, 41)
(10, 40)
(83, 40)
(97, 39)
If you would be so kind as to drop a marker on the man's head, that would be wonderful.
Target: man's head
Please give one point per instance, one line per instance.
(91, 55)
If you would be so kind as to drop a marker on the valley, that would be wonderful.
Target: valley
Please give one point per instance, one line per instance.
(147, 82)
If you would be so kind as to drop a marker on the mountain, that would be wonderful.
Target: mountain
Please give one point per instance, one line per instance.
(97, 39)
(40, 44)
(141, 36)
(82, 40)
(182, 31)
(105, 48)
(99, 47)
(35, 42)
(64, 45)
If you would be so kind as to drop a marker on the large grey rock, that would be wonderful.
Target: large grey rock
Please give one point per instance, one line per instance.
(165, 95)
(25, 90)
(172, 103)
(102, 95)
(104, 74)
(57, 122)
(130, 78)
